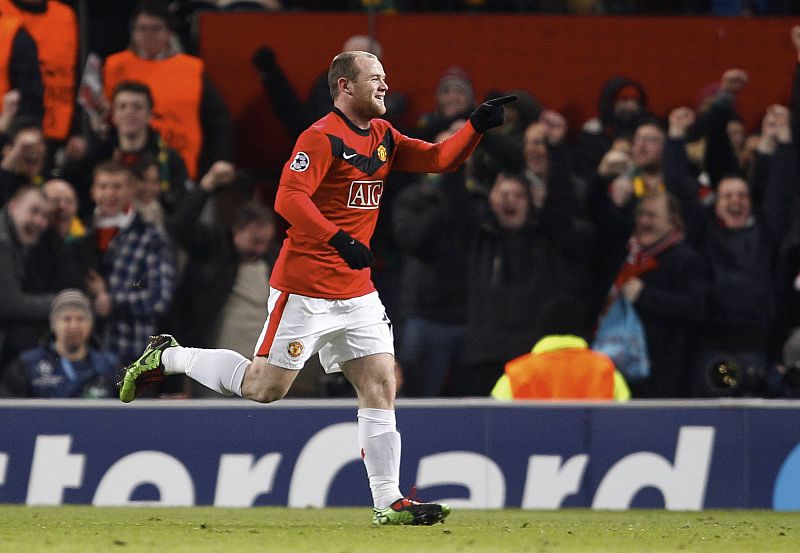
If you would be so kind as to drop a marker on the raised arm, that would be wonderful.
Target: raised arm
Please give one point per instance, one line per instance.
(783, 171)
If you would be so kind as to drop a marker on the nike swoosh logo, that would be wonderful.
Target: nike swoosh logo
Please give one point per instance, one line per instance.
(150, 357)
(351, 156)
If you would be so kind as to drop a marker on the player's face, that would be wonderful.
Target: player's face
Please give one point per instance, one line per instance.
(112, 193)
(369, 88)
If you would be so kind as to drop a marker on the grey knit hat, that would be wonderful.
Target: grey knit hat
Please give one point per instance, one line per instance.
(69, 298)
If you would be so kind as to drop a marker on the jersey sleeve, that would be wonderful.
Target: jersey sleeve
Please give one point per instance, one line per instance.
(300, 178)
(418, 156)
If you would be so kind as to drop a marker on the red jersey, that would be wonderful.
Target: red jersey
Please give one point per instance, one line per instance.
(334, 180)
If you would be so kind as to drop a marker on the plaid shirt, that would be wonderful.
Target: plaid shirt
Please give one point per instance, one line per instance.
(139, 267)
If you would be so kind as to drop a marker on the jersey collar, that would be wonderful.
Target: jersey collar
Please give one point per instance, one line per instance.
(353, 127)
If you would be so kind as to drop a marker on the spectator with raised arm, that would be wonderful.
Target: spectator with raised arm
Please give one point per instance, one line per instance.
(54, 28)
(622, 106)
(517, 262)
(223, 292)
(23, 157)
(739, 239)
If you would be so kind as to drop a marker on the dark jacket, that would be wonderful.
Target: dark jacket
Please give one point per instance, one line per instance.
(671, 307)
(432, 228)
(742, 263)
(25, 75)
(512, 274)
(672, 303)
(41, 372)
(29, 279)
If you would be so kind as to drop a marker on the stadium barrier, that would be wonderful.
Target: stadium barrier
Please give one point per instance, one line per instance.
(683, 455)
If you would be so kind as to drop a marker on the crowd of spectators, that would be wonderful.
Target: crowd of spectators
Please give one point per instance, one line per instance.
(110, 232)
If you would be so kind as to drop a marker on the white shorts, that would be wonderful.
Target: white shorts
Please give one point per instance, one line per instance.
(298, 326)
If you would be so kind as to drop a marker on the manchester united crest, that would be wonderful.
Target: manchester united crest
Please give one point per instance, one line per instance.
(382, 152)
(295, 349)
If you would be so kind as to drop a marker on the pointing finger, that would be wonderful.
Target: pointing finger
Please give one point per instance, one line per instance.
(502, 100)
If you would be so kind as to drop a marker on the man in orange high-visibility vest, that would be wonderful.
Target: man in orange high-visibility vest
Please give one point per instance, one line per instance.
(561, 365)
(188, 111)
(55, 30)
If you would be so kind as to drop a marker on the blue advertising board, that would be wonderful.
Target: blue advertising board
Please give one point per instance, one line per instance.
(687, 455)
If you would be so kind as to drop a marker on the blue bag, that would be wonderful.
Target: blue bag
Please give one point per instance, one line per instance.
(621, 337)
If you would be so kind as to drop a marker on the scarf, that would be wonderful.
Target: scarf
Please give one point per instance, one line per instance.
(642, 260)
(106, 228)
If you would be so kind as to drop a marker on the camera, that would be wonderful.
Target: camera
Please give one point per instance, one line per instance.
(729, 377)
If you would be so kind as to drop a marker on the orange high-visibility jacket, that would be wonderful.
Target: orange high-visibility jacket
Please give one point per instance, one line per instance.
(176, 84)
(56, 35)
(561, 367)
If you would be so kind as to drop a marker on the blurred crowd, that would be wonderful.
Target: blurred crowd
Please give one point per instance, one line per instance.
(671, 242)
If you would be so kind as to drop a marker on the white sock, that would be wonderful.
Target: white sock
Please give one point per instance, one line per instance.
(222, 370)
(380, 449)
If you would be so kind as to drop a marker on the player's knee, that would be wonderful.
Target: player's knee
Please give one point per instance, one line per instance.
(265, 383)
(268, 393)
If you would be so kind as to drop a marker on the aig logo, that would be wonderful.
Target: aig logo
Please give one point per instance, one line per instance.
(365, 194)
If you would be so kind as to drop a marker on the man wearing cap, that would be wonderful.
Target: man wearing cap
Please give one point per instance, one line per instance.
(65, 364)
(455, 99)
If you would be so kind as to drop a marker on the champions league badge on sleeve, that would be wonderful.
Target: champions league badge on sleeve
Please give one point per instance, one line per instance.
(300, 162)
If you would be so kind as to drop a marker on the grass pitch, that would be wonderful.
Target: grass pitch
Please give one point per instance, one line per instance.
(85, 529)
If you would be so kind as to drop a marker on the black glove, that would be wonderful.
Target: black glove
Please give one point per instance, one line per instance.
(264, 59)
(490, 114)
(355, 254)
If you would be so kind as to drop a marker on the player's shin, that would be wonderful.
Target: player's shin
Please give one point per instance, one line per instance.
(380, 449)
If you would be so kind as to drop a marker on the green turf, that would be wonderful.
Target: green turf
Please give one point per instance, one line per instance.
(82, 529)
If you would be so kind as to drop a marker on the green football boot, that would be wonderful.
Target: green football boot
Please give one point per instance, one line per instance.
(406, 511)
(146, 370)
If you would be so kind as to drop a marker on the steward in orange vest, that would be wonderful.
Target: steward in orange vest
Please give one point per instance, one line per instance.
(19, 68)
(55, 30)
(188, 112)
(176, 84)
(561, 367)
